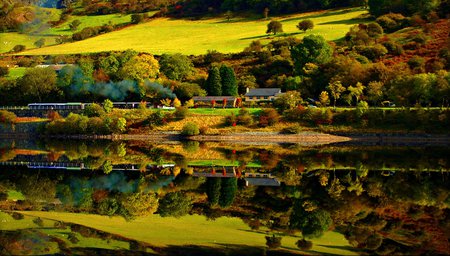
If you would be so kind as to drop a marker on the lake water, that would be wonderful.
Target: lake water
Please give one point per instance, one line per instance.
(191, 198)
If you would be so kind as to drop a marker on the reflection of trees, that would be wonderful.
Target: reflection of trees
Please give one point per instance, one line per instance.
(175, 204)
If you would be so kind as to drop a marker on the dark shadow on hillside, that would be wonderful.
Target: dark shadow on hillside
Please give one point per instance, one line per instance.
(345, 22)
(234, 20)
(106, 252)
(347, 248)
(324, 14)
(270, 37)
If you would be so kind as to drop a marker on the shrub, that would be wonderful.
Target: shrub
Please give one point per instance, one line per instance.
(372, 52)
(293, 129)
(190, 129)
(394, 48)
(230, 120)
(203, 130)
(181, 112)
(304, 245)
(94, 110)
(137, 18)
(19, 48)
(268, 117)
(244, 117)
(4, 70)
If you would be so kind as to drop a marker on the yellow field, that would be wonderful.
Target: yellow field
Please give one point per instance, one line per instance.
(165, 35)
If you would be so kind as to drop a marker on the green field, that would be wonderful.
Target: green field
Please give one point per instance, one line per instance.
(193, 229)
(15, 73)
(165, 35)
(9, 40)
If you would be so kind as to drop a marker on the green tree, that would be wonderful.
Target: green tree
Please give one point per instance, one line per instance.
(374, 30)
(176, 66)
(355, 91)
(312, 49)
(228, 191)
(40, 42)
(186, 91)
(273, 241)
(274, 27)
(139, 204)
(305, 25)
(375, 91)
(175, 204)
(214, 82)
(288, 100)
(39, 83)
(108, 106)
(74, 25)
(137, 18)
(311, 223)
(213, 190)
(335, 88)
(229, 82)
(109, 64)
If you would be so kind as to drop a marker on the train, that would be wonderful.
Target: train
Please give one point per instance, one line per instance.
(80, 105)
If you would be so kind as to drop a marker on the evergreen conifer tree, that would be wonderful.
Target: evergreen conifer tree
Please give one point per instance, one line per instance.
(214, 83)
(229, 82)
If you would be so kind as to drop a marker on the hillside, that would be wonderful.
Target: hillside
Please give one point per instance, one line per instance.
(166, 35)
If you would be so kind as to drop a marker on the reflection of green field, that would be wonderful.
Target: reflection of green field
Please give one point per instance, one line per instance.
(221, 162)
(196, 37)
(194, 229)
(8, 223)
(220, 111)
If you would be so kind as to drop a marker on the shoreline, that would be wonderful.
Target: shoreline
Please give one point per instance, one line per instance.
(304, 138)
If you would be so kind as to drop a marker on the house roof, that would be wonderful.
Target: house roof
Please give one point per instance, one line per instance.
(262, 182)
(216, 98)
(263, 92)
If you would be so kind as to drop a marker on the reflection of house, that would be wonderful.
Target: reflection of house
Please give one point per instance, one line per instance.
(261, 179)
(207, 100)
(262, 94)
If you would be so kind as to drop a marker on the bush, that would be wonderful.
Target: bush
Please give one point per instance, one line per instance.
(181, 113)
(190, 129)
(304, 245)
(244, 117)
(137, 18)
(293, 129)
(94, 110)
(4, 71)
(372, 52)
(268, 117)
(19, 48)
(394, 48)
(203, 130)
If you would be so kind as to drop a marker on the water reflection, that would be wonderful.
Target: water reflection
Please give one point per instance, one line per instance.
(225, 199)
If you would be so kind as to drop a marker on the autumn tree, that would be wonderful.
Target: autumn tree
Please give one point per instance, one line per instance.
(274, 27)
(355, 91)
(140, 67)
(336, 89)
(324, 99)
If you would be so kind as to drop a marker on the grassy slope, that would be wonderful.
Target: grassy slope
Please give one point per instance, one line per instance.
(196, 37)
(192, 230)
(9, 40)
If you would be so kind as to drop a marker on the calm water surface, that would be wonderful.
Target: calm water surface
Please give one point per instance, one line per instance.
(191, 198)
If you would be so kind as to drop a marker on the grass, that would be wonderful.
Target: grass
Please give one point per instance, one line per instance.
(193, 229)
(221, 111)
(15, 73)
(165, 35)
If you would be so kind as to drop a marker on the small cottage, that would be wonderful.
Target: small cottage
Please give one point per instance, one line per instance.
(262, 94)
